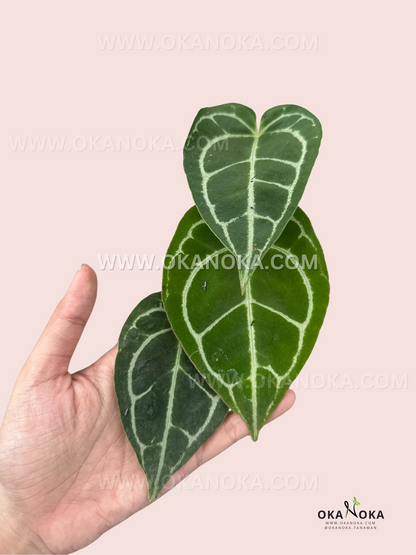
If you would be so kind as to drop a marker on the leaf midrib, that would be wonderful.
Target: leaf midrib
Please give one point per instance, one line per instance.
(253, 356)
(168, 420)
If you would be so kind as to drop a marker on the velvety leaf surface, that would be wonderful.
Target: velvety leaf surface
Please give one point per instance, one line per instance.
(249, 348)
(247, 182)
(167, 411)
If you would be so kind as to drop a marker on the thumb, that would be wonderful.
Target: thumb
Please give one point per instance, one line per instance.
(51, 356)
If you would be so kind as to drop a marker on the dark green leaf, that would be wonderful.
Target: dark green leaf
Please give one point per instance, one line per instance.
(246, 182)
(167, 411)
(249, 348)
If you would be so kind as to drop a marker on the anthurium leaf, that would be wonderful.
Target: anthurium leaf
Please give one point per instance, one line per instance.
(249, 348)
(167, 411)
(247, 182)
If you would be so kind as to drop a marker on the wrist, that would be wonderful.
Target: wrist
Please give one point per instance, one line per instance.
(15, 537)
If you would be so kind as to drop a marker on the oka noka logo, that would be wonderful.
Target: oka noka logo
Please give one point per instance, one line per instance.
(359, 514)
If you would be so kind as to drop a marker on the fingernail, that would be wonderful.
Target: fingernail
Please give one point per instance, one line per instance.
(83, 264)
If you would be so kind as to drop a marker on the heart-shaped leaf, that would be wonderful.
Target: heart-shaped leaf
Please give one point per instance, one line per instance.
(167, 411)
(246, 182)
(248, 348)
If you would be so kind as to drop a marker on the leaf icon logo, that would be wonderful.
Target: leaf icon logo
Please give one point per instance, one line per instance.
(355, 502)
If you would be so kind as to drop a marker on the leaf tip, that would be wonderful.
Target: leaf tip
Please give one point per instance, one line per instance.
(254, 434)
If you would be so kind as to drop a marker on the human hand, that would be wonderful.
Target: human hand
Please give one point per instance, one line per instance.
(62, 433)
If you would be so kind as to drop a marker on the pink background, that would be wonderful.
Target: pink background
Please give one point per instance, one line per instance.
(60, 209)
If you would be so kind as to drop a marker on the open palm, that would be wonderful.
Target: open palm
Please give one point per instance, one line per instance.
(62, 435)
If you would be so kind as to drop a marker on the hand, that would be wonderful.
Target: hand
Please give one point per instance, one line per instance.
(62, 434)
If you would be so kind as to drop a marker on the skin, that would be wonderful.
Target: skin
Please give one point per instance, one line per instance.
(62, 432)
